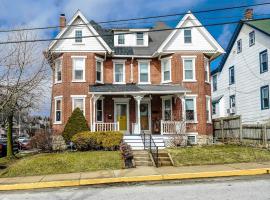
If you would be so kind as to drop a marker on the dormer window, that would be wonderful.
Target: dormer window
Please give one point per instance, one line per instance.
(140, 38)
(78, 36)
(121, 39)
(187, 36)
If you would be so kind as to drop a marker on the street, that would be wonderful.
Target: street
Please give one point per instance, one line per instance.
(244, 188)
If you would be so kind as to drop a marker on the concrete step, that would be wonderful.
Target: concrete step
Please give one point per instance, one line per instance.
(164, 159)
(165, 163)
(142, 159)
(143, 163)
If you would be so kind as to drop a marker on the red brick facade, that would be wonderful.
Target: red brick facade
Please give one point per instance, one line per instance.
(67, 88)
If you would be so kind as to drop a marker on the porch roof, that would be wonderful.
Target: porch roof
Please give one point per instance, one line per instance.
(137, 89)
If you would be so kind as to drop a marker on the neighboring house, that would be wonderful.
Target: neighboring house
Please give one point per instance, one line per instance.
(134, 79)
(240, 85)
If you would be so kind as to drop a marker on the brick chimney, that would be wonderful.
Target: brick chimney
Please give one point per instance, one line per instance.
(249, 14)
(62, 21)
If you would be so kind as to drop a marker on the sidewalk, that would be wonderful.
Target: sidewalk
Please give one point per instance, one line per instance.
(138, 174)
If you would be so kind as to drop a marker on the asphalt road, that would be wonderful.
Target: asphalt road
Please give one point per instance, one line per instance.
(253, 188)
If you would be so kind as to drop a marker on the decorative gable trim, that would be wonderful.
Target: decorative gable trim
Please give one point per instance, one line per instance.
(85, 21)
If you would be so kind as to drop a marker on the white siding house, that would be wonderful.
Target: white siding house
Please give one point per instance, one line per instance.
(240, 85)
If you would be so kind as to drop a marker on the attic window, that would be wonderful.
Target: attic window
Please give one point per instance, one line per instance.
(187, 36)
(121, 39)
(139, 38)
(78, 36)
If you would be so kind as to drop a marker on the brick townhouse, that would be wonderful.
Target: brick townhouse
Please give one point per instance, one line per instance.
(134, 79)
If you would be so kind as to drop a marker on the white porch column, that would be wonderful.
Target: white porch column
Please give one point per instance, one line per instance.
(183, 107)
(95, 98)
(138, 99)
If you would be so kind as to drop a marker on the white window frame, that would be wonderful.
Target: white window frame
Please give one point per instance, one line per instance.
(57, 98)
(193, 134)
(101, 60)
(118, 36)
(194, 97)
(102, 109)
(73, 97)
(190, 36)
(207, 70)
(58, 64)
(148, 71)
(193, 58)
(73, 69)
(239, 46)
(162, 69)
(250, 38)
(78, 29)
(123, 62)
(164, 98)
(208, 104)
(140, 39)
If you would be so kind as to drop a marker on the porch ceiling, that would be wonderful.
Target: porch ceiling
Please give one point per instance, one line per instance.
(137, 89)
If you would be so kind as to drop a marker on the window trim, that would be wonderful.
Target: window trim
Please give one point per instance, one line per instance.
(239, 50)
(251, 44)
(208, 102)
(101, 60)
(260, 55)
(262, 106)
(118, 38)
(164, 98)
(73, 69)
(193, 58)
(141, 39)
(194, 97)
(148, 71)
(162, 69)
(58, 60)
(214, 83)
(230, 103)
(123, 62)
(81, 42)
(58, 98)
(190, 36)
(230, 81)
(73, 97)
(207, 69)
(102, 109)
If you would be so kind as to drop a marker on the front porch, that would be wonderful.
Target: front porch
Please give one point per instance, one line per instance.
(154, 109)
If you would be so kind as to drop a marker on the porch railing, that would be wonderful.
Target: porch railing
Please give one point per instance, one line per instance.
(172, 127)
(106, 126)
(150, 145)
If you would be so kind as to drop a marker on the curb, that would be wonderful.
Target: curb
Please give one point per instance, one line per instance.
(84, 182)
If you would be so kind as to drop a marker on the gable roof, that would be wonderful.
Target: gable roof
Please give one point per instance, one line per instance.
(262, 25)
(89, 25)
(189, 15)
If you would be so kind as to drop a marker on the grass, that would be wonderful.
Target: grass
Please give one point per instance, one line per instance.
(217, 154)
(55, 163)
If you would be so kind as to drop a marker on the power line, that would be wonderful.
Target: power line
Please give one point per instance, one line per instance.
(126, 33)
(142, 18)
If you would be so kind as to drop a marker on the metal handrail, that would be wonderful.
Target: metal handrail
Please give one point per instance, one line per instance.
(151, 146)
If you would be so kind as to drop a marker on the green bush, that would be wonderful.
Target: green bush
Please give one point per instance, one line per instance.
(76, 124)
(97, 140)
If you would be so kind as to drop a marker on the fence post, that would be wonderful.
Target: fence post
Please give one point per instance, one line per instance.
(240, 129)
(222, 129)
(264, 134)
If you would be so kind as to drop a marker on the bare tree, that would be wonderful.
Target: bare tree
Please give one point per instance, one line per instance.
(24, 73)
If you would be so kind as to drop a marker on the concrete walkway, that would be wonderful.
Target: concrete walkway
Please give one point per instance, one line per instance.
(135, 172)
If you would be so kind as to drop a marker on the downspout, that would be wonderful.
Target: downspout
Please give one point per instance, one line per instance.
(91, 114)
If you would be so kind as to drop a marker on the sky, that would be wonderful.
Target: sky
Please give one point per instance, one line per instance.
(39, 13)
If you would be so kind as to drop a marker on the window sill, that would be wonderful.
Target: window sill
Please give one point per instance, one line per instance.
(100, 82)
(78, 81)
(144, 83)
(119, 82)
(164, 82)
(78, 43)
(57, 123)
(209, 122)
(208, 82)
(192, 122)
(55, 83)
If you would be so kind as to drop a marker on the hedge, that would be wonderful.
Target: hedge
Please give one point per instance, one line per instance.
(97, 140)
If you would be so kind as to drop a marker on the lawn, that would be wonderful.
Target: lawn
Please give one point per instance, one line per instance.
(217, 154)
(55, 163)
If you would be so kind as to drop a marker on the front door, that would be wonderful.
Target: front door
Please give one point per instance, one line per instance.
(121, 116)
(145, 115)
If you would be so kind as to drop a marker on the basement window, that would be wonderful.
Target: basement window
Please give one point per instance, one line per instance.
(191, 139)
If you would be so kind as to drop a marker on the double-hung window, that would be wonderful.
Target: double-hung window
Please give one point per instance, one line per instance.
(214, 82)
(239, 46)
(231, 75)
(78, 36)
(187, 36)
(78, 72)
(208, 112)
(214, 108)
(99, 110)
(58, 110)
(189, 68)
(251, 38)
(190, 107)
(119, 72)
(121, 39)
(206, 71)
(166, 69)
(263, 61)
(58, 71)
(99, 70)
(265, 97)
(167, 109)
(78, 101)
(144, 72)
(232, 101)
(140, 40)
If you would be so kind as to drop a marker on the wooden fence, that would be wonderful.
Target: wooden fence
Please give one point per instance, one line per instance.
(231, 129)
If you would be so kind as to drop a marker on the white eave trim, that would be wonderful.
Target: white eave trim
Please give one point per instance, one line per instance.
(140, 92)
